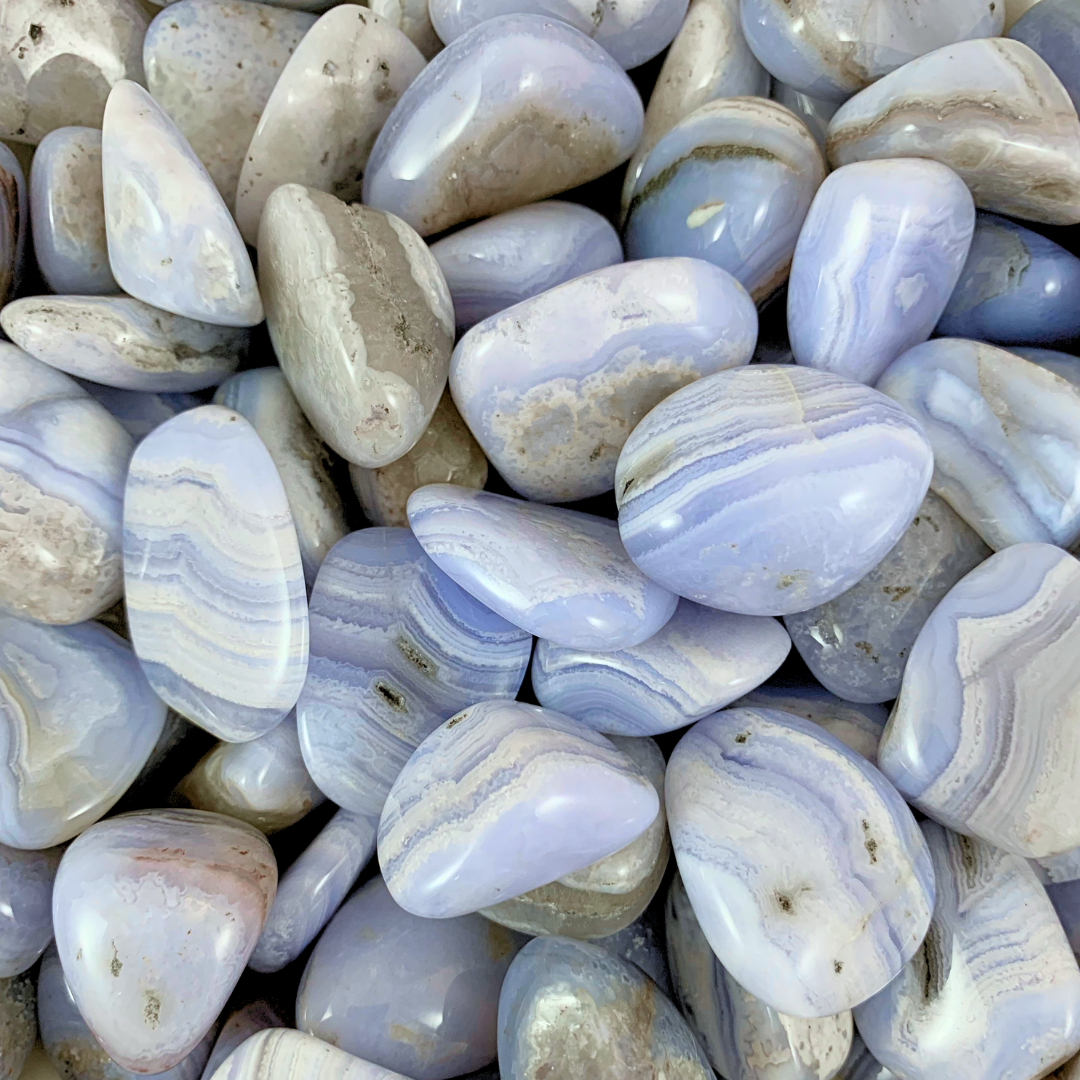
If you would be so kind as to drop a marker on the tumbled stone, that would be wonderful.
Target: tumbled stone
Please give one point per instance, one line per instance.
(18, 1024)
(413, 19)
(284, 1054)
(361, 320)
(552, 387)
(139, 412)
(862, 1065)
(225, 644)
(547, 110)
(26, 883)
(156, 914)
(14, 220)
(1063, 364)
(240, 1026)
(814, 112)
(490, 805)
(1054, 33)
(642, 943)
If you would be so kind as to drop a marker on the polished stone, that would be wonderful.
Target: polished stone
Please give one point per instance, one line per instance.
(985, 736)
(226, 644)
(1054, 33)
(989, 109)
(18, 1024)
(139, 412)
(815, 113)
(361, 320)
(14, 223)
(861, 1064)
(1063, 364)
(730, 183)
(172, 240)
(413, 19)
(1005, 434)
(491, 803)
(642, 943)
(241, 1025)
(1065, 896)
(814, 917)
(699, 662)
(809, 478)
(857, 644)
(519, 108)
(396, 649)
(320, 122)
(156, 914)
(26, 883)
(559, 574)
(882, 248)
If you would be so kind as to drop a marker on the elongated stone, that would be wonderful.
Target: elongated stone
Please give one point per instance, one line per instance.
(368, 357)
(312, 888)
(995, 988)
(144, 896)
(817, 917)
(1005, 434)
(283, 1053)
(814, 112)
(240, 1026)
(570, 1009)
(699, 662)
(78, 720)
(991, 110)
(498, 262)
(396, 649)
(809, 479)
(18, 1024)
(882, 248)
(490, 806)
(547, 110)
(26, 884)
(857, 644)
(263, 397)
(742, 1036)
(559, 574)
(413, 19)
(226, 645)
(139, 412)
(1054, 33)
(999, 755)
(552, 387)
(172, 241)
(1063, 364)
(14, 219)
(730, 183)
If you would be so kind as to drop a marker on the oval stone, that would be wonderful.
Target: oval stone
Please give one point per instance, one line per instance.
(284, 1054)
(26, 884)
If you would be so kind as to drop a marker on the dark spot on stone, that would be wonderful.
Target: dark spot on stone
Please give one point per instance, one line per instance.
(415, 656)
(36, 31)
(115, 966)
(152, 1010)
(837, 966)
(392, 698)
(896, 591)
(785, 903)
(742, 736)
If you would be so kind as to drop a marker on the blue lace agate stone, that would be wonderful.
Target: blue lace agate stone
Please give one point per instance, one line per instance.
(1062, 364)
(396, 648)
(1053, 32)
(769, 489)
(815, 113)
(240, 1026)
(26, 881)
(137, 411)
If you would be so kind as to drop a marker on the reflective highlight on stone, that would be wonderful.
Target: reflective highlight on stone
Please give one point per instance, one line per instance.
(814, 112)
(139, 412)
(18, 1024)
(26, 883)
(241, 1025)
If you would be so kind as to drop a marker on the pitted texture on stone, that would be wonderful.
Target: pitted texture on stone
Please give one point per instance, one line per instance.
(284, 1054)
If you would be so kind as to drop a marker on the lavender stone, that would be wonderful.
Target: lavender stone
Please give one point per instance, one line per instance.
(1054, 33)
(26, 884)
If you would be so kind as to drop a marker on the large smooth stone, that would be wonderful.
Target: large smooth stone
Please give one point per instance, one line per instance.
(225, 643)
(559, 574)
(211, 65)
(172, 240)
(882, 248)
(1016, 288)
(1005, 434)
(320, 122)
(396, 649)
(284, 1054)
(994, 991)
(511, 257)
(311, 890)
(744, 1037)
(78, 720)
(240, 1026)
(121, 342)
(769, 489)
(519, 108)
(552, 387)
(58, 63)
(263, 397)
(26, 884)
(857, 644)
(699, 662)
(446, 453)
(834, 50)
(814, 112)
(571, 1010)
(991, 110)
(139, 412)
(156, 914)
(730, 183)
(997, 754)
(607, 896)
(18, 1024)
(361, 321)
(816, 916)
(1054, 33)
(14, 219)
(435, 1016)
(491, 805)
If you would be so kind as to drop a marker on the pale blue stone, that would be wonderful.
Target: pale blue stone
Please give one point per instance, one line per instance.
(1065, 896)
(559, 574)
(14, 218)
(862, 1065)
(1058, 869)
(699, 662)
(881, 250)
(815, 113)
(26, 881)
(419, 996)
(642, 943)
(552, 387)
(769, 489)
(139, 411)
(1053, 32)
(815, 916)
(505, 259)
(995, 989)
(312, 889)
(730, 183)
(519, 108)
(396, 648)
(241, 1025)
(1064, 365)
(213, 580)
(491, 806)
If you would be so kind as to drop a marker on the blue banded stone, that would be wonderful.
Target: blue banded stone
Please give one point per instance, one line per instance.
(1054, 33)
(26, 882)
(240, 1026)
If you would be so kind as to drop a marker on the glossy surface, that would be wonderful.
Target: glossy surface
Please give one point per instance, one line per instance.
(26, 883)
(1063, 364)
(1054, 33)
(241, 1025)
(814, 112)
(137, 411)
